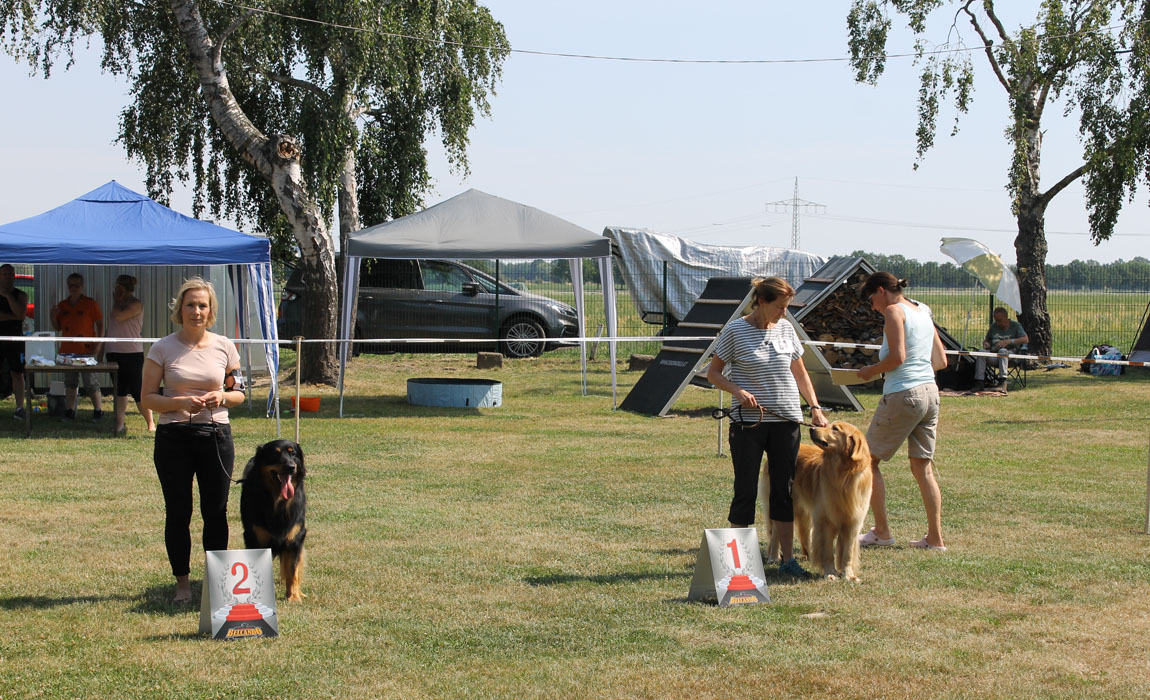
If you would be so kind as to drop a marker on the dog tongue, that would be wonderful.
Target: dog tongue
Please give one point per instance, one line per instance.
(287, 490)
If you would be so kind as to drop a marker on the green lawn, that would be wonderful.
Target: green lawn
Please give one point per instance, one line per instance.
(544, 549)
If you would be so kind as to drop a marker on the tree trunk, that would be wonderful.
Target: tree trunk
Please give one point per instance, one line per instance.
(277, 160)
(1030, 209)
(1030, 249)
(348, 222)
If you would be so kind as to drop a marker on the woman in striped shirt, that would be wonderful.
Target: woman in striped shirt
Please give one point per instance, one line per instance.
(759, 360)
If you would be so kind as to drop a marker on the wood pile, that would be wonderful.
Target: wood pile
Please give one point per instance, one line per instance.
(842, 317)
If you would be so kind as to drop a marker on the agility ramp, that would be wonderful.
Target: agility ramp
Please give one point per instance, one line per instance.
(681, 362)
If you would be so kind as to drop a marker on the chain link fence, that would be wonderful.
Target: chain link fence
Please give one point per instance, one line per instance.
(1089, 303)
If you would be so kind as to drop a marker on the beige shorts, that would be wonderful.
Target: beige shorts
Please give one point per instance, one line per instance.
(910, 415)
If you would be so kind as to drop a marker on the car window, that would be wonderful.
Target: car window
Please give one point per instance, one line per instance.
(443, 277)
(390, 274)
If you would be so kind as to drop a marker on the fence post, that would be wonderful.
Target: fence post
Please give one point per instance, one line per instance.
(664, 298)
(298, 348)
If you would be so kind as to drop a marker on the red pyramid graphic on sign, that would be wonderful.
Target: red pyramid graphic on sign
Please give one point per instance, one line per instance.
(739, 582)
(242, 612)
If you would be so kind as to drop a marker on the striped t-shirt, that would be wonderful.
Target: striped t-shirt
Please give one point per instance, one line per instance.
(759, 361)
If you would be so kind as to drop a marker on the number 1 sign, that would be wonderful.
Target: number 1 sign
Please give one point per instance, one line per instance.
(239, 599)
(729, 568)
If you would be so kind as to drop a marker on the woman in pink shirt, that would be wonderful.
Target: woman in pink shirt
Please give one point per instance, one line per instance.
(125, 320)
(194, 437)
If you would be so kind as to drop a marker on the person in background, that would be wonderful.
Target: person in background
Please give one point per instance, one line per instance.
(199, 373)
(910, 355)
(125, 320)
(79, 316)
(766, 376)
(13, 307)
(1004, 337)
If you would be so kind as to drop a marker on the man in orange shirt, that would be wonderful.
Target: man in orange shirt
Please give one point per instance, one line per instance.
(79, 316)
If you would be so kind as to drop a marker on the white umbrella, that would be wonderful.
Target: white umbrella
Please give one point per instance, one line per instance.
(984, 263)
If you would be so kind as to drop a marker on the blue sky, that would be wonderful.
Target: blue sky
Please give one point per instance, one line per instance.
(690, 149)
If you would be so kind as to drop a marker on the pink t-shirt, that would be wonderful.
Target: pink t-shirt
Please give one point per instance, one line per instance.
(124, 329)
(194, 372)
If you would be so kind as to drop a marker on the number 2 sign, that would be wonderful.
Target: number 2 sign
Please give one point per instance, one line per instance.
(239, 598)
(729, 568)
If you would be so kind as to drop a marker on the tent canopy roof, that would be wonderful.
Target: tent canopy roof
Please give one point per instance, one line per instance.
(480, 226)
(112, 225)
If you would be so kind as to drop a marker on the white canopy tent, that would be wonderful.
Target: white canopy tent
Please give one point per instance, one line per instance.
(475, 225)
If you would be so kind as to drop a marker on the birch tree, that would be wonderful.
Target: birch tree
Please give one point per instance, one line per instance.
(1090, 58)
(276, 111)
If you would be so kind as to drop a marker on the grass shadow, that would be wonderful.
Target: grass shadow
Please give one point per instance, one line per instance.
(561, 579)
(39, 602)
(157, 600)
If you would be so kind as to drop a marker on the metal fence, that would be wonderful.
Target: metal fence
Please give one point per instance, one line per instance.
(1089, 303)
(1107, 306)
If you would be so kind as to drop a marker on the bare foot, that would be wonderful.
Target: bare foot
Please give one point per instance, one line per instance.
(183, 590)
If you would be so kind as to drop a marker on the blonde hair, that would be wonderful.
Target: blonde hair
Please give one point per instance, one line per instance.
(767, 289)
(190, 284)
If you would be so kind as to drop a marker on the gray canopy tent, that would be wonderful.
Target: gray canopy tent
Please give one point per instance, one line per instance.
(475, 225)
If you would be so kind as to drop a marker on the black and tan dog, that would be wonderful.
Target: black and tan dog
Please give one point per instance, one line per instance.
(272, 508)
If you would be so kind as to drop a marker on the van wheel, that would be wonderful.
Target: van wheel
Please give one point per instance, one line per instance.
(522, 337)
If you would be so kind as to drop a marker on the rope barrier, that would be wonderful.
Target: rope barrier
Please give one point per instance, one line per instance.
(575, 340)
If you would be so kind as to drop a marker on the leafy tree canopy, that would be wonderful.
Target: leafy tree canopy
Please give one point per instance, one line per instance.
(353, 81)
(1092, 55)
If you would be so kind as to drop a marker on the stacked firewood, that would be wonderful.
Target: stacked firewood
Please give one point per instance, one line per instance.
(842, 317)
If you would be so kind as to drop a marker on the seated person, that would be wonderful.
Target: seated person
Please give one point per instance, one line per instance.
(1005, 336)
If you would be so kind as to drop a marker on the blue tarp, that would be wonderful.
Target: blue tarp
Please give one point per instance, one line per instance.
(112, 225)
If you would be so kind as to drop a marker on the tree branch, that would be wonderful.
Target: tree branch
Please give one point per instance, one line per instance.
(297, 82)
(219, 48)
(1061, 184)
(987, 42)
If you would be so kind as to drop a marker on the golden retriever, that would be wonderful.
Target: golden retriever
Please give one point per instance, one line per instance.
(831, 493)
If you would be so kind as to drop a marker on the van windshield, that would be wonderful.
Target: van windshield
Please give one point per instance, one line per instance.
(489, 284)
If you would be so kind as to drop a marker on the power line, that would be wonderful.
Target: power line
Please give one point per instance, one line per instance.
(640, 59)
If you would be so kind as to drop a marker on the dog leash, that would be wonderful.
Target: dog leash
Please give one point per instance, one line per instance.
(721, 413)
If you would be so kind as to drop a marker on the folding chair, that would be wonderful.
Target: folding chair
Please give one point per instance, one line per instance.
(1016, 370)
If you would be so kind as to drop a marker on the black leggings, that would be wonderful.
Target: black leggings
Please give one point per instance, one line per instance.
(205, 452)
(780, 442)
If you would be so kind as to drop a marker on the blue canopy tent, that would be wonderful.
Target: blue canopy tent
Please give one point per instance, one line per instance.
(112, 225)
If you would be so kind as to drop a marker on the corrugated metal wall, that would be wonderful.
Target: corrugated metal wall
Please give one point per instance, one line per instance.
(156, 287)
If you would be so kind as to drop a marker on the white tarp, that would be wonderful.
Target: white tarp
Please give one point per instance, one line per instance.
(640, 254)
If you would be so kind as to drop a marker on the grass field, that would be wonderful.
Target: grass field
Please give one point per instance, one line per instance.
(544, 549)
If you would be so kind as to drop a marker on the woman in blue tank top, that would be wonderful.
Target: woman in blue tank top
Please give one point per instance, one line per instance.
(911, 353)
